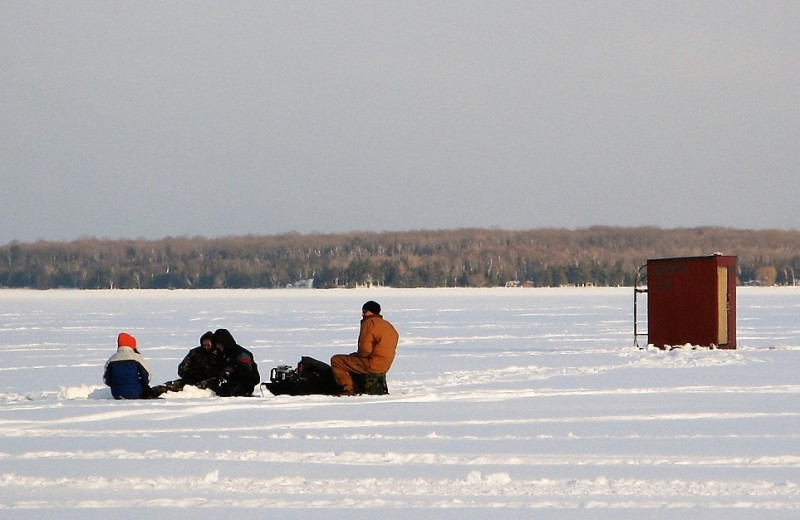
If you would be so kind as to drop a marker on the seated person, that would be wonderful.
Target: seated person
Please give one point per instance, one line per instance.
(201, 365)
(377, 343)
(126, 372)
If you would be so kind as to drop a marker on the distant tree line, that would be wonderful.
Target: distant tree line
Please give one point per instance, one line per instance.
(600, 256)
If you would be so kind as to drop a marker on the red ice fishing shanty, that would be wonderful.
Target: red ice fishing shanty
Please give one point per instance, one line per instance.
(690, 301)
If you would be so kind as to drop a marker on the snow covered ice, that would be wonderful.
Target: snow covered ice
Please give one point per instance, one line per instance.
(535, 401)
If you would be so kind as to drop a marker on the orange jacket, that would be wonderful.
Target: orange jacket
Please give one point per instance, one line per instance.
(377, 342)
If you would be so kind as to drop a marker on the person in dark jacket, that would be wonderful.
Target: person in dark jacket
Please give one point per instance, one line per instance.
(201, 366)
(239, 374)
(126, 372)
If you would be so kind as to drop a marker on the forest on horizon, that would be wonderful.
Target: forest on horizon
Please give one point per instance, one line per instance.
(598, 256)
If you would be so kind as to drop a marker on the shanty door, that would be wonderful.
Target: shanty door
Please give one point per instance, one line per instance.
(722, 304)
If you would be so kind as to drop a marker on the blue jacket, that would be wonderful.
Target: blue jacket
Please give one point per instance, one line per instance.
(127, 373)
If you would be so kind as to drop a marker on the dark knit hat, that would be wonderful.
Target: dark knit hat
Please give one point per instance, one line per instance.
(371, 306)
(224, 337)
(207, 336)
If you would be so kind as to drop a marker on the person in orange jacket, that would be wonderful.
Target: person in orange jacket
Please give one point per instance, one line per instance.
(377, 343)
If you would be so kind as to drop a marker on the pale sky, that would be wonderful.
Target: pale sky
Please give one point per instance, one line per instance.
(152, 119)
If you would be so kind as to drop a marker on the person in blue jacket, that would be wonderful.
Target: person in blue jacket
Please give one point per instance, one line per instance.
(126, 372)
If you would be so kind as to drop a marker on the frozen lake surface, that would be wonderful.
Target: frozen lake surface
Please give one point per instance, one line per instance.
(535, 401)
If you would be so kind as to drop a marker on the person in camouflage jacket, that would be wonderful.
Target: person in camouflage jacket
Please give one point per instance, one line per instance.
(202, 364)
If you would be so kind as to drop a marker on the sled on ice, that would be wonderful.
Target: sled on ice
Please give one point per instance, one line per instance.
(314, 377)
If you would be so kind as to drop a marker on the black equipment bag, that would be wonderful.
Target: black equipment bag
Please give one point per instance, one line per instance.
(311, 377)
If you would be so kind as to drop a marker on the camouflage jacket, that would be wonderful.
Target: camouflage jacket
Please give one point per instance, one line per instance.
(200, 365)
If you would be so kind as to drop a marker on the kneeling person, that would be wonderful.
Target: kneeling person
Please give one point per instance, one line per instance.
(239, 374)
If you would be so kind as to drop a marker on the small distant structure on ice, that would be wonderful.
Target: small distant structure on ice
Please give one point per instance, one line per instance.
(690, 301)
(308, 283)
